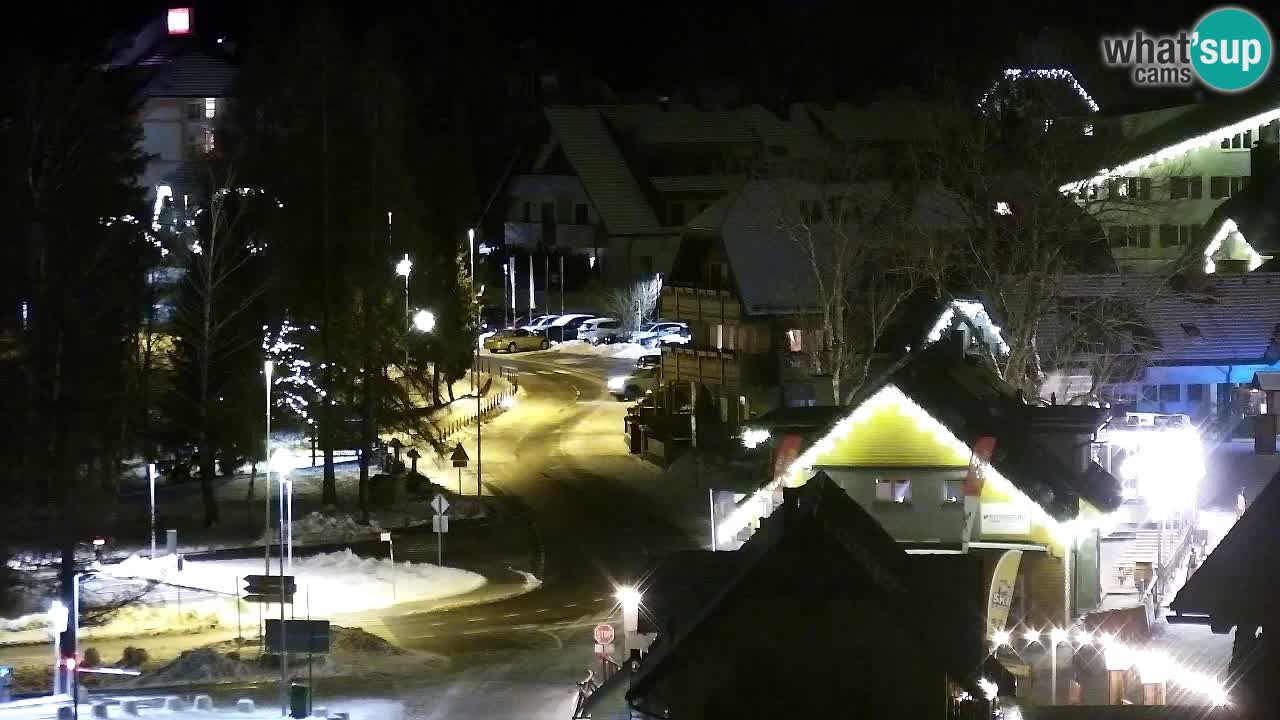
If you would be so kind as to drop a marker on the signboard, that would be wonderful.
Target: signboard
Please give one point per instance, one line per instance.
(440, 504)
(459, 457)
(1000, 595)
(266, 588)
(309, 636)
(603, 634)
(1004, 518)
(603, 649)
(440, 523)
(385, 537)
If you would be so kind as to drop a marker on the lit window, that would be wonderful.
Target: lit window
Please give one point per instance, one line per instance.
(179, 21)
(795, 340)
(1002, 208)
(210, 107)
(893, 491)
(1088, 128)
(952, 491)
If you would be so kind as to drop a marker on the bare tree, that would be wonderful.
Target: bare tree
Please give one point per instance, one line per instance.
(862, 252)
(211, 316)
(635, 304)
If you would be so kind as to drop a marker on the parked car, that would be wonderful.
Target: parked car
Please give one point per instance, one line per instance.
(599, 331)
(515, 340)
(566, 327)
(651, 360)
(661, 333)
(539, 323)
(635, 385)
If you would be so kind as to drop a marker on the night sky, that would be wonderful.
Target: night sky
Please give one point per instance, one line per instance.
(772, 51)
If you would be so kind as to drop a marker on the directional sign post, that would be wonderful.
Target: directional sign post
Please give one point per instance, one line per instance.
(460, 461)
(268, 588)
(440, 524)
(603, 635)
(391, 549)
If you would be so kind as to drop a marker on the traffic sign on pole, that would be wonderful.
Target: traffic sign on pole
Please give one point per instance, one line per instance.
(459, 457)
(440, 504)
(603, 634)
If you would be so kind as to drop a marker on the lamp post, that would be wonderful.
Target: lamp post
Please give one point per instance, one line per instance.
(151, 481)
(1057, 636)
(266, 527)
(403, 268)
(629, 598)
(282, 464)
(475, 361)
(57, 615)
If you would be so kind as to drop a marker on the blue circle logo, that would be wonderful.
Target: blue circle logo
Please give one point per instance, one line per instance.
(1231, 49)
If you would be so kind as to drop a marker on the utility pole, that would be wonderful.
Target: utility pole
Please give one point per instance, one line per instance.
(562, 284)
(531, 288)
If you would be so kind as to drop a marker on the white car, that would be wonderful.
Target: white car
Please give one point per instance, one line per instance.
(634, 386)
(662, 333)
(598, 330)
(540, 323)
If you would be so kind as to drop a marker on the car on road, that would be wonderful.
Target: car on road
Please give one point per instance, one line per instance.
(651, 360)
(566, 327)
(662, 333)
(634, 386)
(515, 340)
(540, 323)
(600, 330)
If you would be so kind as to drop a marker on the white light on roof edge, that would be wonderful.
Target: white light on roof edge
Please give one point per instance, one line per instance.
(1044, 74)
(976, 313)
(757, 505)
(1228, 226)
(1173, 151)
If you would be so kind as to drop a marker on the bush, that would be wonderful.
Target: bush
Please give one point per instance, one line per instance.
(133, 657)
(92, 658)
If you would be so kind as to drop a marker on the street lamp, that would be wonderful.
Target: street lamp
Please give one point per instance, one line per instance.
(403, 268)
(475, 360)
(267, 367)
(282, 464)
(424, 321)
(1057, 636)
(629, 598)
(57, 615)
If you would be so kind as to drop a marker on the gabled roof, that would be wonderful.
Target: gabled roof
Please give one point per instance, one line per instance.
(1253, 213)
(853, 540)
(193, 74)
(1219, 319)
(590, 147)
(1237, 580)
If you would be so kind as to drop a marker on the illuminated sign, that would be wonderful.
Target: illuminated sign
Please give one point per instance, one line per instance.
(1003, 518)
(179, 21)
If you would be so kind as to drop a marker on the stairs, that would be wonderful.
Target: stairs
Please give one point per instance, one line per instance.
(1143, 546)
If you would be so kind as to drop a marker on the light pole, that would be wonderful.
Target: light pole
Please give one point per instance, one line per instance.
(282, 464)
(1057, 636)
(629, 598)
(57, 616)
(266, 527)
(403, 268)
(475, 363)
(151, 480)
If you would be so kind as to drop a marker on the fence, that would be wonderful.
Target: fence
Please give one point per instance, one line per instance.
(490, 405)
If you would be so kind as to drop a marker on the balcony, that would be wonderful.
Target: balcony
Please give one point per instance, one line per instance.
(698, 304)
(529, 236)
(703, 365)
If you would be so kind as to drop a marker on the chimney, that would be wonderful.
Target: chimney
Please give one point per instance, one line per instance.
(1264, 156)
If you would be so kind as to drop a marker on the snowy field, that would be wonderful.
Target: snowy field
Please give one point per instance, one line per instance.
(333, 583)
(626, 351)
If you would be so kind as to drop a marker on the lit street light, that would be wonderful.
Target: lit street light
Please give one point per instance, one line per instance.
(57, 616)
(424, 321)
(282, 463)
(629, 598)
(403, 268)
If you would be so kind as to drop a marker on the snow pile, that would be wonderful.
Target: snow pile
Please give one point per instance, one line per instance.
(628, 351)
(355, 640)
(30, 621)
(200, 665)
(320, 528)
(328, 581)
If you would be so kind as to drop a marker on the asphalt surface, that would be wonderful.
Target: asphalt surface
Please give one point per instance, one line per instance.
(594, 517)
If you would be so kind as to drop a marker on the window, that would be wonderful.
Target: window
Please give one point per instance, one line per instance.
(1195, 393)
(893, 491)
(1132, 236)
(1138, 187)
(952, 491)
(580, 214)
(210, 108)
(1170, 393)
(1150, 393)
(795, 340)
(1182, 187)
(548, 213)
(1223, 186)
(1239, 141)
(195, 110)
(1177, 235)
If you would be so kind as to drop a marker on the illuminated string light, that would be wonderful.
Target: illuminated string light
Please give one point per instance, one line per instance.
(976, 313)
(1224, 231)
(1043, 74)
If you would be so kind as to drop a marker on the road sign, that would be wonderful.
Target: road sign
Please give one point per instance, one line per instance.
(385, 537)
(269, 584)
(440, 504)
(440, 523)
(603, 633)
(460, 457)
(604, 649)
(309, 636)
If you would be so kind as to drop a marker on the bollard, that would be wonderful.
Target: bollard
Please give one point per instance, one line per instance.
(66, 713)
(244, 705)
(130, 707)
(202, 702)
(98, 710)
(173, 704)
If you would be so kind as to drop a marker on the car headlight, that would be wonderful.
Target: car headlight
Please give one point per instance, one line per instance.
(616, 383)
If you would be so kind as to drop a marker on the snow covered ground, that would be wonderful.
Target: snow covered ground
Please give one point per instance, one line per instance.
(628, 351)
(328, 581)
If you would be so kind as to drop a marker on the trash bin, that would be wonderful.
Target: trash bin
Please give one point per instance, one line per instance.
(299, 700)
(6, 683)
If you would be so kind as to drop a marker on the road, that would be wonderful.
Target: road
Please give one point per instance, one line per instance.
(597, 518)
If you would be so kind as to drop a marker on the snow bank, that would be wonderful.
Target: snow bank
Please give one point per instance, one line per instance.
(320, 528)
(336, 583)
(628, 351)
(31, 621)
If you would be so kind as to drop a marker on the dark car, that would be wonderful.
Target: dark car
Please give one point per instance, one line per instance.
(651, 360)
(566, 327)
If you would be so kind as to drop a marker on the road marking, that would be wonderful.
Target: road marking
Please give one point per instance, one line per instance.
(543, 610)
(477, 619)
(435, 624)
(571, 605)
(511, 615)
(562, 372)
